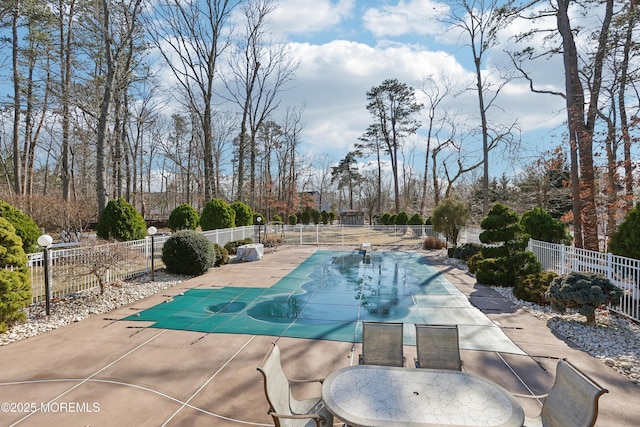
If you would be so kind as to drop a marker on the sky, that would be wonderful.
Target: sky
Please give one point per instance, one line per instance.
(347, 47)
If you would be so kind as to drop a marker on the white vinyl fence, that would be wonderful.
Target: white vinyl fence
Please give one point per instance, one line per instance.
(622, 271)
(80, 268)
(77, 269)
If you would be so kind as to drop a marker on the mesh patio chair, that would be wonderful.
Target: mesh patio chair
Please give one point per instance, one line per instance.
(286, 410)
(438, 347)
(572, 400)
(382, 344)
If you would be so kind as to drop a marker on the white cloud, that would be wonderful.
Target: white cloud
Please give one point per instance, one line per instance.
(299, 17)
(335, 77)
(407, 17)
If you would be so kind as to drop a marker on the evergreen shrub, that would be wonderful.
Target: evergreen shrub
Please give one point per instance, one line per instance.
(15, 286)
(188, 252)
(244, 214)
(449, 217)
(624, 241)
(533, 287)
(325, 217)
(540, 225)
(583, 291)
(24, 226)
(293, 219)
(121, 221)
(416, 219)
(222, 255)
(217, 214)
(465, 251)
(183, 217)
(402, 218)
(472, 263)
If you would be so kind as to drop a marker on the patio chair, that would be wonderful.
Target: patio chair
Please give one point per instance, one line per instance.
(283, 407)
(572, 400)
(438, 347)
(382, 344)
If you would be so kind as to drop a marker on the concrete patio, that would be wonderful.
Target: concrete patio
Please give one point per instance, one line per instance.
(106, 372)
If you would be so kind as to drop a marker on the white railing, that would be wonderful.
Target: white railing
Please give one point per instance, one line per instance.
(622, 271)
(77, 269)
(81, 268)
(349, 235)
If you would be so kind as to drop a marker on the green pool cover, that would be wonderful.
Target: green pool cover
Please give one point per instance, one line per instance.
(328, 296)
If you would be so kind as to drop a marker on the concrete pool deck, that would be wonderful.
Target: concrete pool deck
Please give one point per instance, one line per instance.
(104, 372)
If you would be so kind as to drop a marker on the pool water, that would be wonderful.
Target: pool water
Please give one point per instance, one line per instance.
(329, 295)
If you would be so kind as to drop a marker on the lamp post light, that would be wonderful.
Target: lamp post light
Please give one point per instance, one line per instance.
(151, 231)
(45, 241)
(259, 219)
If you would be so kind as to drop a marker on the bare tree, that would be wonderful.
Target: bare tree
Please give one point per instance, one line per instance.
(480, 21)
(259, 71)
(436, 92)
(191, 37)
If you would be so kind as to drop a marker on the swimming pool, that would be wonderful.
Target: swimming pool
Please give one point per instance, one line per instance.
(328, 296)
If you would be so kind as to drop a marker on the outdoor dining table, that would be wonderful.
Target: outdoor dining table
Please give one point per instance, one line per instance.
(380, 396)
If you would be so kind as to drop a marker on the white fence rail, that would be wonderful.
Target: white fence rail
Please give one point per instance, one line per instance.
(622, 271)
(77, 269)
(81, 268)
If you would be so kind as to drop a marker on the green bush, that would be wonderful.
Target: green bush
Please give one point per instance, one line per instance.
(402, 218)
(316, 217)
(582, 291)
(244, 214)
(325, 217)
(465, 251)
(293, 219)
(183, 217)
(277, 218)
(24, 226)
(217, 214)
(416, 219)
(384, 218)
(472, 262)
(494, 272)
(305, 217)
(505, 260)
(188, 252)
(624, 241)
(15, 287)
(232, 246)
(449, 217)
(121, 221)
(505, 271)
(222, 256)
(533, 287)
(540, 225)
(502, 226)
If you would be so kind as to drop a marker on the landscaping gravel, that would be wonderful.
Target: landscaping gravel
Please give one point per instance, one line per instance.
(80, 305)
(615, 340)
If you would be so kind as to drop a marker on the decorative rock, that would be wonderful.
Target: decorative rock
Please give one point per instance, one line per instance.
(81, 305)
(615, 339)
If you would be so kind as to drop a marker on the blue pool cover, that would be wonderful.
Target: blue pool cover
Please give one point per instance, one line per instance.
(328, 296)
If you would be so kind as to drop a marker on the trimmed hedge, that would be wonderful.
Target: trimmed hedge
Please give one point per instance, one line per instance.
(121, 221)
(183, 217)
(188, 252)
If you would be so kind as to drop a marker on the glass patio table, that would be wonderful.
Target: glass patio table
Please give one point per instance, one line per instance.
(380, 396)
